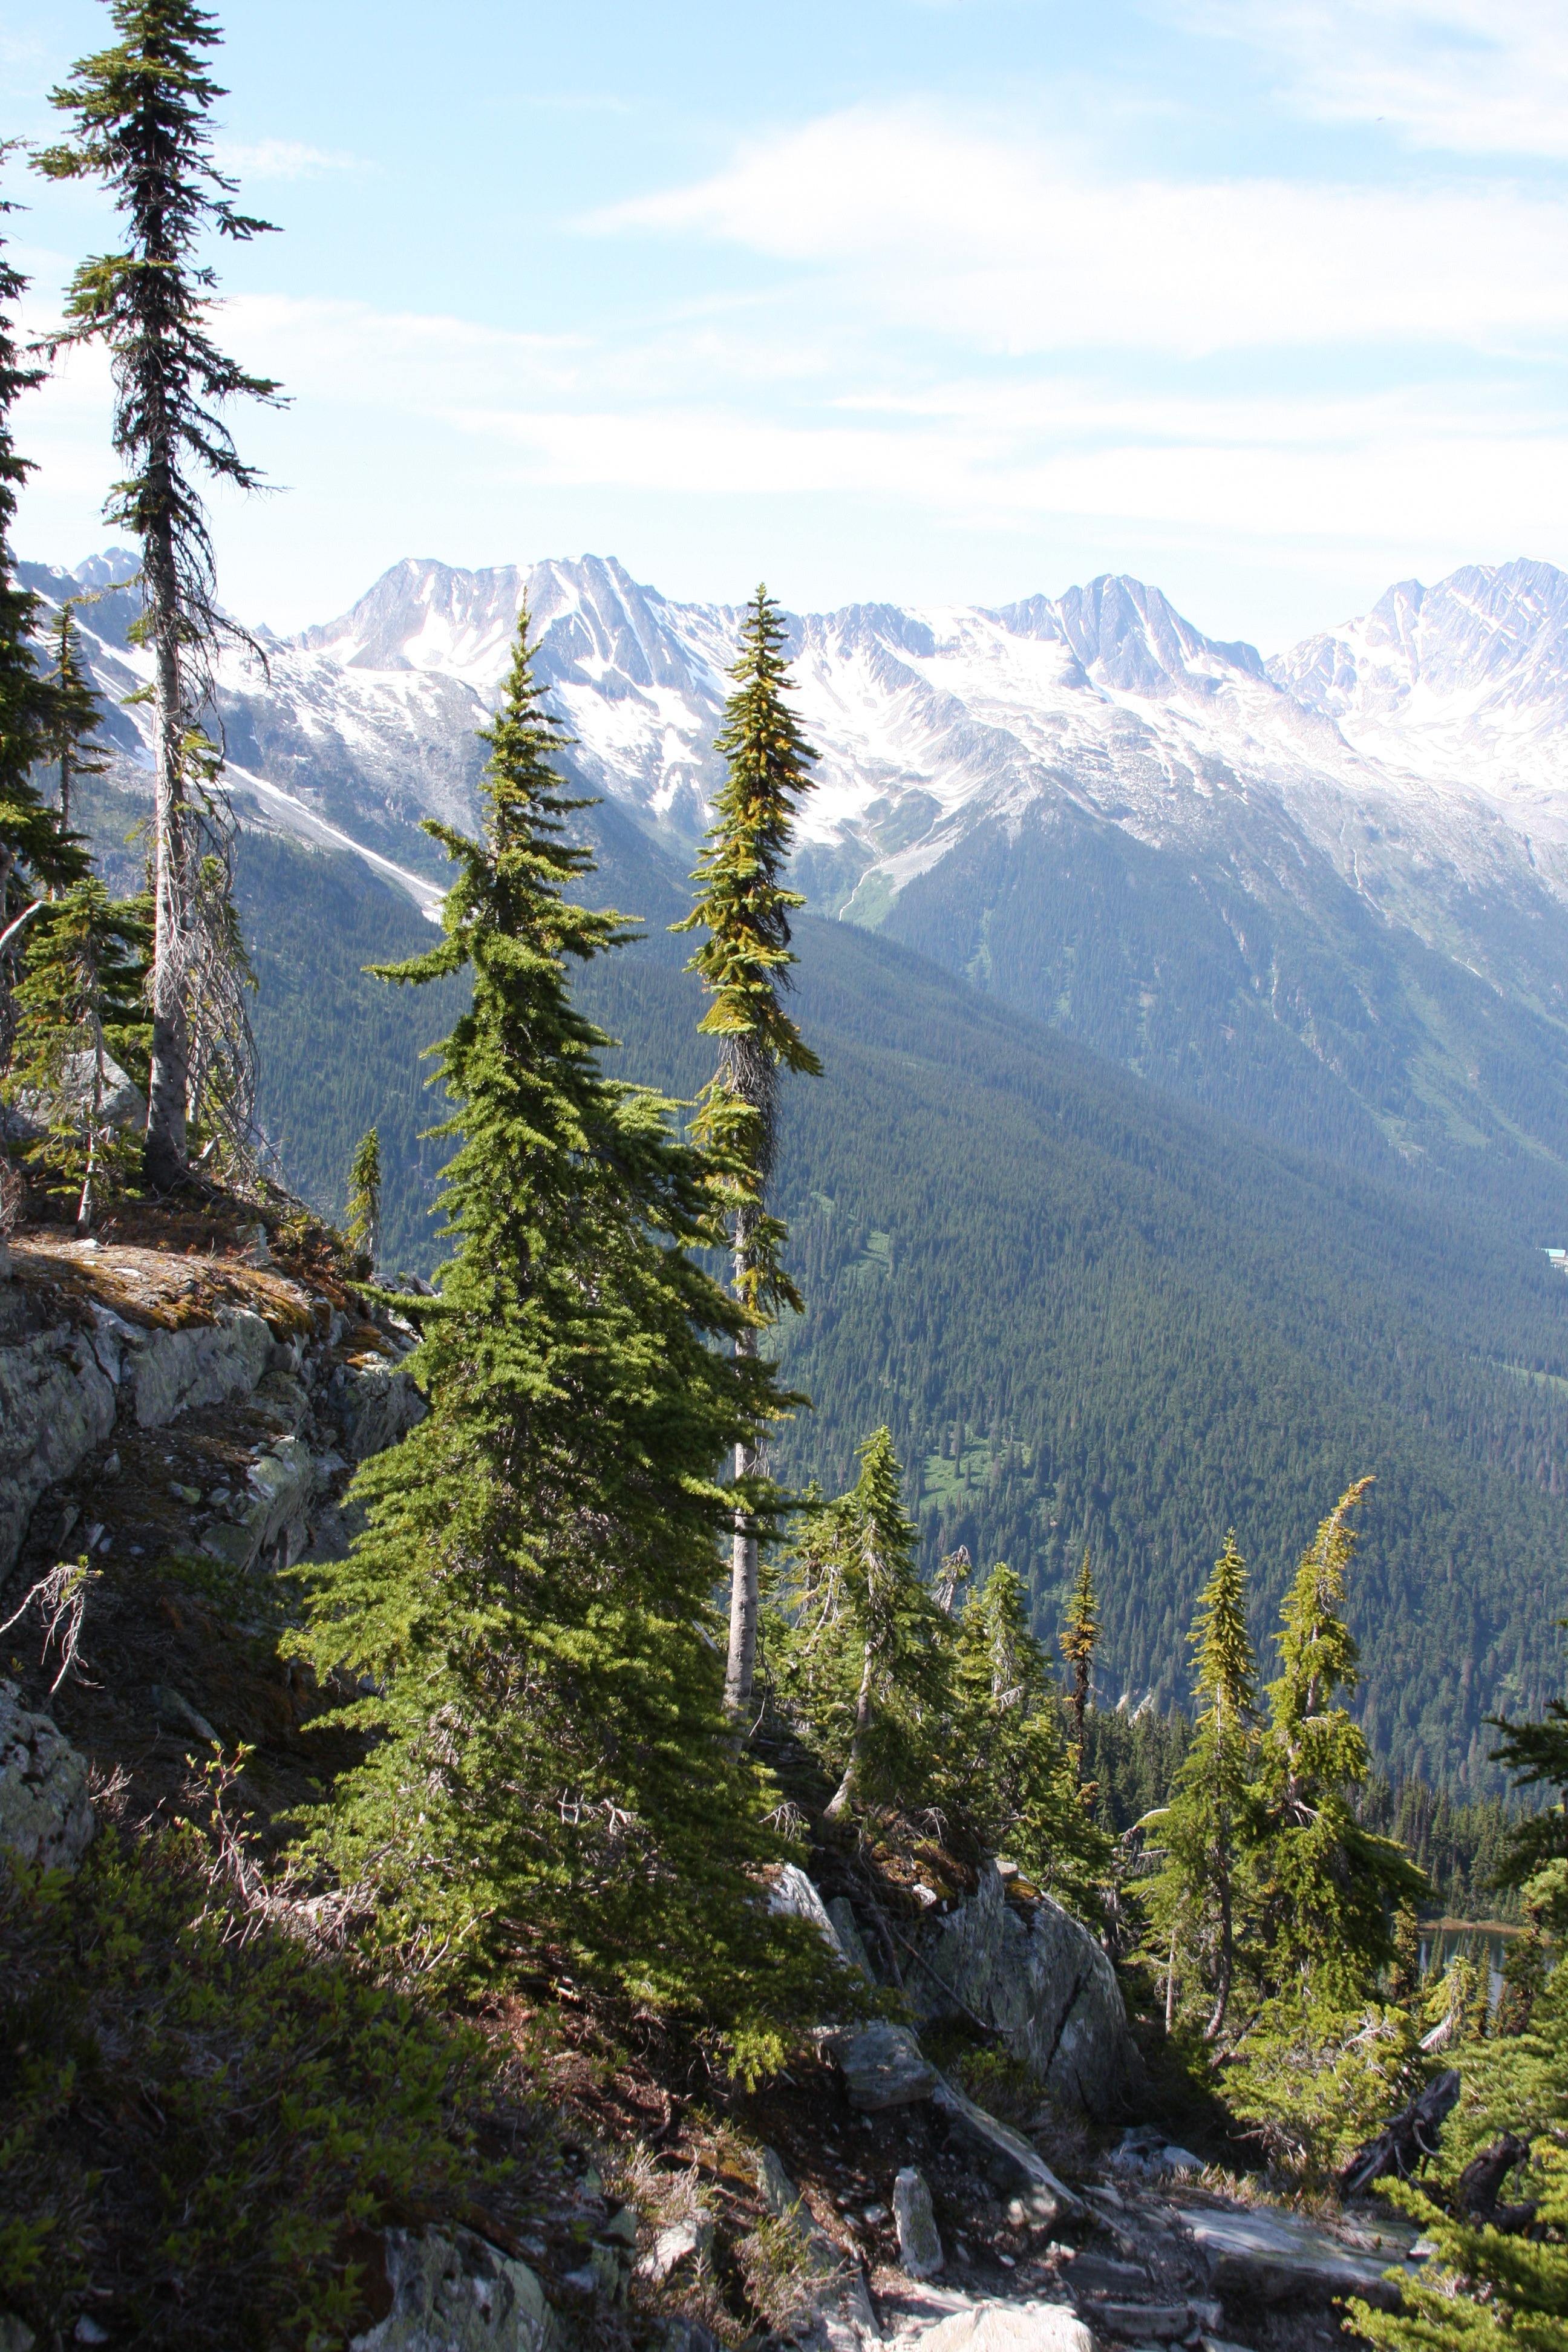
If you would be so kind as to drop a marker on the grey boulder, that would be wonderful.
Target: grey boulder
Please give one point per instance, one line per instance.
(919, 2242)
(1041, 1980)
(883, 2066)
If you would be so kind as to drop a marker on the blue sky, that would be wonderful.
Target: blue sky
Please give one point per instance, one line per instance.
(1267, 304)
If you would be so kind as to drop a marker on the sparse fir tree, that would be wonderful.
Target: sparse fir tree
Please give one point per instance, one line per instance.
(743, 964)
(550, 1780)
(363, 1230)
(80, 1029)
(140, 112)
(1011, 1772)
(1079, 1637)
(1326, 1886)
(1205, 1830)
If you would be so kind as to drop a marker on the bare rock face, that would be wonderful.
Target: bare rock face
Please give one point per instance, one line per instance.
(1038, 1976)
(56, 1405)
(457, 2293)
(45, 1813)
(376, 1404)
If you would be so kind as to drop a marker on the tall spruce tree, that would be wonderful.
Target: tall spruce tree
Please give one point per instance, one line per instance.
(550, 1780)
(72, 745)
(1011, 1772)
(897, 1629)
(1204, 1830)
(141, 111)
(1327, 1887)
(362, 1230)
(1078, 1640)
(744, 963)
(37, 850)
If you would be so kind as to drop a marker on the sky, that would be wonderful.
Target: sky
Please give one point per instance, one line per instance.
(921, 300)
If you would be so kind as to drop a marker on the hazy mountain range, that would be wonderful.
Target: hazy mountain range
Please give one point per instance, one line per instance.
(1327, 894)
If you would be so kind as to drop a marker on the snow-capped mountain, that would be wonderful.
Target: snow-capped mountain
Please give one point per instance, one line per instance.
(1224, 871)
(1466, 683)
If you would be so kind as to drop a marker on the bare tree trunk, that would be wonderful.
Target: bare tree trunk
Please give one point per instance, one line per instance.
(1226, 1964)
(740, 1663)
(1171, 1989)
(167, 1082)
(845, 1788)
(743, 1590)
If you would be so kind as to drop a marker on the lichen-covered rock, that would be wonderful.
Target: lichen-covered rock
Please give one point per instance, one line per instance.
(1042, 1980)
(377, 1404)
(46, 1815)
(457, 2293)
(171, 1372)
(57, 1404)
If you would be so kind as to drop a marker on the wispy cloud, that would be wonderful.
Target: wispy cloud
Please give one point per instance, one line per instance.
(985, 234)
(284, 159)
(1473, 76)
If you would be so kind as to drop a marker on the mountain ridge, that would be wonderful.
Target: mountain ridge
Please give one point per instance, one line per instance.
(1280, 915)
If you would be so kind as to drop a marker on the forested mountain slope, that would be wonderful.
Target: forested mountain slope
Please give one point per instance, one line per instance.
(1087, 1313)
(1328, 897)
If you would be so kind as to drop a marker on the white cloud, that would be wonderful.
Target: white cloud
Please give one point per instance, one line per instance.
(283, 159)
(1473, 76)
(988, 237)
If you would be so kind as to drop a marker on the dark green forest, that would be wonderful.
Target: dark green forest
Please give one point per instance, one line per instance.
(1088, 1314)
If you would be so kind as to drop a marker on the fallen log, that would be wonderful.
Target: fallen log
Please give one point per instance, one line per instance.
(1406, 2140)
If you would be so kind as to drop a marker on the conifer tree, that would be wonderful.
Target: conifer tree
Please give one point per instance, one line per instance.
(744, 963)
(37, 850)
(1205, 1828)
(1535, 1856)
(140, 111)
(70, 744)
(1012, 1774)
(363, 1230)
(903, 1681)
(78, 1015)
(1079, 1637)
(1327, 1885)
(549, 1779)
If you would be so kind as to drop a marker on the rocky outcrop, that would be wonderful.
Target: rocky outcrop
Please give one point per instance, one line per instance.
(375, 1404)
(1037, 1976)
(170, 1373)
(457, 2293)
(57, 1404)
(94, 1339)
(46, 1815)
